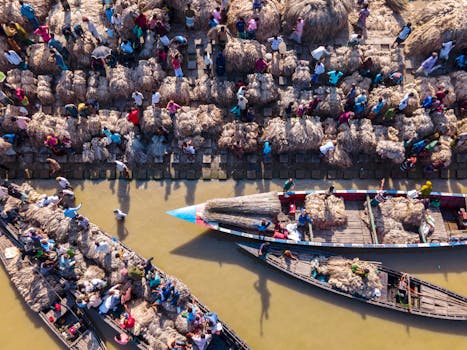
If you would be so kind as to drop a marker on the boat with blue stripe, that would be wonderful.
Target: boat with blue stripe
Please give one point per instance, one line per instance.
(444, 221)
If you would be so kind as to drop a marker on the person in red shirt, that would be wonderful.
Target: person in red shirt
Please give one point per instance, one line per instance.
(344, 118)
(177, 66)
(441, 95)
(128, 321)
(261, 65)
(141, 21)
(133, 117)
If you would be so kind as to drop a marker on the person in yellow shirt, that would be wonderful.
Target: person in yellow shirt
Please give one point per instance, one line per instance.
(426, 189)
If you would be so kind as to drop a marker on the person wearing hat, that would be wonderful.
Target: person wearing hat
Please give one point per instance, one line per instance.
(120, 215)
(426, 189)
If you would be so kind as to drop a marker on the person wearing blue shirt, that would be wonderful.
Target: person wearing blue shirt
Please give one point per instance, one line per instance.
(57, 45)
(10, 138)
(377, 108)
(304, 220)
(267, 149)
(241, 26)
(72, 212)
(263, 225)
(126, 47)
(427, 102)
(334, 76)
(27, 11)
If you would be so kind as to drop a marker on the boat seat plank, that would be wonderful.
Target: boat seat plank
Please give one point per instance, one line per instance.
(440, 231)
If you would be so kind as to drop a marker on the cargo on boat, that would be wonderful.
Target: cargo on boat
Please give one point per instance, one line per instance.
(348, 218)
(366, 281)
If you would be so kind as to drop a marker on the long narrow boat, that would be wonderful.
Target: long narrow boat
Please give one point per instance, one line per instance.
(395, 290)
(66, 321)
(359, 223)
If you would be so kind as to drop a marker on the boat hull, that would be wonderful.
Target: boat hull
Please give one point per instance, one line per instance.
(194, 214)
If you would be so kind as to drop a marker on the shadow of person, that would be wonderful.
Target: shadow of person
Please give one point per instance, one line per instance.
(261, 287)
(122, 231)
(123, 195)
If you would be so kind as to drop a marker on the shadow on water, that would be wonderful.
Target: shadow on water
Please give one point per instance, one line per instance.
(123, 195)
(190, 192)
(213, 246)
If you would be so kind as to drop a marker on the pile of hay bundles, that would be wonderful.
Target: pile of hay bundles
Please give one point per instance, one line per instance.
(326, 211)
(135, 151)
(396, 5)
(64, 87)
(147, 75)
(11, 10)
(31, 285)
(269, 17)
(261, 89)
(44, 90)
(339, 271)
(121, 84)
(445, 123)
(243, 210)
(98, 88)
(115, 120)
(40, 60)
(202, 9)
(81, 50)
(283, 66)
(4, 64)
(430, 85)
(384, 61)
(338, 157)
(275, 133)
(39, 127)
(442, 154)
(219, 92)
(240, 55)
(392, 150)
(440, 22)
(95, 151)
(417, 126)
(359, 137)
(345, 59)
(301, 78)
(382, 18)
(244, 133)
(323, 18)
(155, 118)
(190, 122)
(361, 82)
(460, 84)
(23, 79)
(330, 128)
(332, 103)
(79, 85)
(176, 89)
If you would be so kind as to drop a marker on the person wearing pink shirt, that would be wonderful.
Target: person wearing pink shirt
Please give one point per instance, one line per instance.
(177, 66)
(252, 27)
(298, 31)
(172, 108)
(43, 31)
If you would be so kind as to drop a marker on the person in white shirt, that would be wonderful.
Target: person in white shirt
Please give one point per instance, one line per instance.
(155, 99)
(319, 52)
(138, 98)
(13, 57)
(325, 148)
(120, 215)
(22, 122)
(446, 48)
(121, 167)
(63, 182)
(275, 42)
(207, 63)
(102, 247)
(405, 101)
(69, 193)
(354, 40)
(319, 69)
(201, 340)
(242, 102)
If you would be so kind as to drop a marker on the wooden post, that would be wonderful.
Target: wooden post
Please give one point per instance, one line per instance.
(374, 236)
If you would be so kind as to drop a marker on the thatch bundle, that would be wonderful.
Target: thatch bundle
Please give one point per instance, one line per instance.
(245, 134)
(202, 9)
(396, 5)
(95, 151)
(40, 60)
(240, 55)
(44, 90)
(460, 85)
(338, 157)
(330, 128)
(345, 59)
(442, 154)
(392, 150)
(326, 211)
(135, 150)
(382, 17)
(404, 210)
(98, 88)
(261, 89)
(445, 123)
(359, 137)
(383, 61)
(11, 10)
(269, 17)
(31, 285)
(332, 103)
(176, 89)
(155, 118)
(341, 277)
(79, 85)
(301, 78)
(461, 130)
(417, 126)
(39, 127)
(262, 204)
(147, 75)
(121, 84)
(82, 49)
(113, 120)
(430, 85)
(4, 147)
(190, 122)
(64, 87)
(4, 64)
(362, 83)
(283, 66)
(275, 133)
(323, 18)
(219, 92)
(440, 22)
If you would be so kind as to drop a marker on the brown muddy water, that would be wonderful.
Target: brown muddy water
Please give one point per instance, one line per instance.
(267, 309)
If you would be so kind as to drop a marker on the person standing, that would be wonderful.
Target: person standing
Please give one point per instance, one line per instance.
(122, 168)
(405, 101)
(319, 69)
(133, 117)
(363, 14)
(172, 108)
(189, 17)
(252, 27)
(207, 63)
(177, 66)
(446, 48)
(155, 99)
(59, 61)
(275, 42)
(54, 166)
(428, 65)
(138, 98)
(27, 11)
(289, 185)
(376, 109)
(240, 25)
(403, 34)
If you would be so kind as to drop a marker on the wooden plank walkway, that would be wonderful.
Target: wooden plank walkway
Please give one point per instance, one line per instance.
(440, 231)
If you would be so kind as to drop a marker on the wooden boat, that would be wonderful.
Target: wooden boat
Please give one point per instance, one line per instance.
(67, 322)
(413, 296)
(449, 228)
